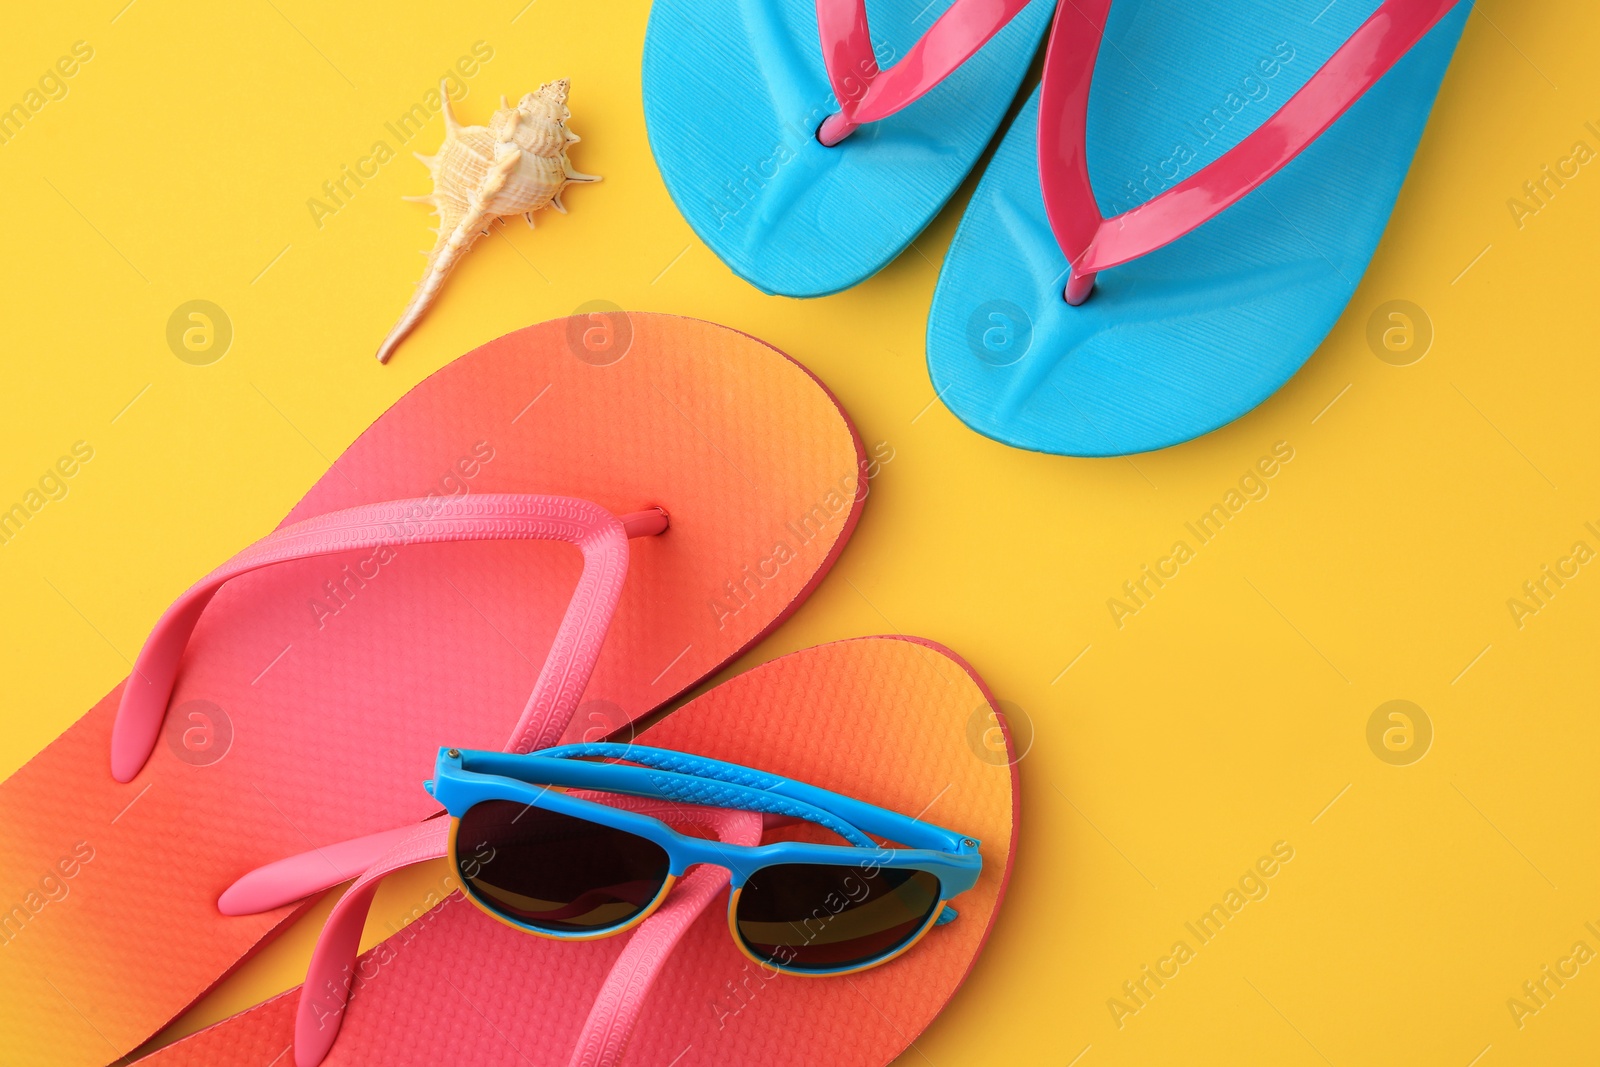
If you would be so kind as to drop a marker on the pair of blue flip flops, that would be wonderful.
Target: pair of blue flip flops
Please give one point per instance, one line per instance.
(1186, 336)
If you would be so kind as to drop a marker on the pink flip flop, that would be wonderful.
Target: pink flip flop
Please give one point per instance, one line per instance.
(887, 721)
(295, 696)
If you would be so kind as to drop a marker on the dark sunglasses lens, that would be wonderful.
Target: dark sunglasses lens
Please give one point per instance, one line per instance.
(556, 872)
(818, 917)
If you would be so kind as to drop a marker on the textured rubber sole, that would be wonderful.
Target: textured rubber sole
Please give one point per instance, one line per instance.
(732, 106)
(314, 694)
(1196, 334)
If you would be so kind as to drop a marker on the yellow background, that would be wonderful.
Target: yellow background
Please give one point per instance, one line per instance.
(1227, 715)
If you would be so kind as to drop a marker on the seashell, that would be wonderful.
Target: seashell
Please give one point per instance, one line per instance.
(514, 166)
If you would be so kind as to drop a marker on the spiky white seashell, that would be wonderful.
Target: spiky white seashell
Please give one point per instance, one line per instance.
(514, 166)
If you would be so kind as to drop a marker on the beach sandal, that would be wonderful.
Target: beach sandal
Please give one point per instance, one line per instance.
(807, 167)
(293, 698)
(705, 977)
(1150, 259)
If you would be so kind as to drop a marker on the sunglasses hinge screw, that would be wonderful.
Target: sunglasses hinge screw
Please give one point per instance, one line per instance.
(453, 753)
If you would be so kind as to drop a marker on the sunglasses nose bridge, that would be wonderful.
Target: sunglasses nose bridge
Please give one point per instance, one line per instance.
(712, 852)
(729, 835)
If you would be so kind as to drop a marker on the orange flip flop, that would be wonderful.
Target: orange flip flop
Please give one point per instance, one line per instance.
(882, 720)
(355, 636)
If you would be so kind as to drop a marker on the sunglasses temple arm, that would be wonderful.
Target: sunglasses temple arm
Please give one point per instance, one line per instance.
(745, 782)
(334, 972)
(295, 878)
(674, 786)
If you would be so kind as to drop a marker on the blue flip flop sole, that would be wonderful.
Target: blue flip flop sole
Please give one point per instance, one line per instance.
(1192, 336)
(733, 96)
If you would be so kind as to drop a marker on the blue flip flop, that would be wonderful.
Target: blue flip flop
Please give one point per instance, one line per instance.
(736, 95)
(1247, 154)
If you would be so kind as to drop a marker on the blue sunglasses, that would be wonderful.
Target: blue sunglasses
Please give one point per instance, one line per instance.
(559, 865)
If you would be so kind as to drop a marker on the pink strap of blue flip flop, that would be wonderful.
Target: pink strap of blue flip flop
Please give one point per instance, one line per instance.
(1093, 243)
(601, 536)
(866, 93)
(331, 977)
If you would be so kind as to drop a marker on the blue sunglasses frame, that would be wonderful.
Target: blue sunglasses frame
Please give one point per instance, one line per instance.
(464, 778)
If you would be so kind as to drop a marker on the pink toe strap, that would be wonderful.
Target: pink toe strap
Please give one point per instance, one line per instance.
(333, 974)
(866, 93)
(297, 877)
(1092, 243)
(601, 536)
(616, 1009)
(331, 978)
